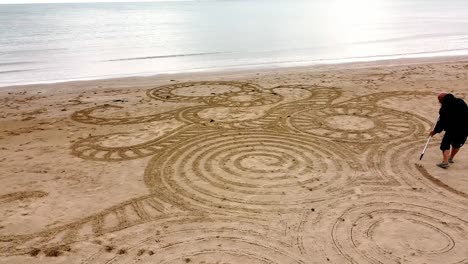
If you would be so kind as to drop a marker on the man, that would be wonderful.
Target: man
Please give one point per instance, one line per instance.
(454, 120)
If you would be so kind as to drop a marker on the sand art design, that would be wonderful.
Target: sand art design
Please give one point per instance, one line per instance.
(400, 232)
(387, 228)
(188, 92)
(352, 124)
(247, 171)
(92, 149)
(318, 98)
(277, 163)
(373, 99)
(438, 182)
(127, 214)
(396, 164)
(86, 116)
(220, 93)
(196, 240)
(359, 120)
(247, 98)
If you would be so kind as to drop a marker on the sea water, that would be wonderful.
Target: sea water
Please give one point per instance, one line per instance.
(59, 42)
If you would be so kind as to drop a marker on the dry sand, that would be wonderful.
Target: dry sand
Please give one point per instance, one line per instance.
(305, 165)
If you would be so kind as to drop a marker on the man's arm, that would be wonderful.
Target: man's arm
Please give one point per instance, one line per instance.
(440, 125)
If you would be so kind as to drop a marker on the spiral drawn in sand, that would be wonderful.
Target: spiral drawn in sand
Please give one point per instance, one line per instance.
(252, 171)
(352, 124)
(198, 241)
(398, 232)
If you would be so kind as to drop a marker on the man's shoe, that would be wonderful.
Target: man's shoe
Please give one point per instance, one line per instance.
(443, 165)
(451, 160)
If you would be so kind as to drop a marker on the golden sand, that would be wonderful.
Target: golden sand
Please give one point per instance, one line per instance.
(305, 165)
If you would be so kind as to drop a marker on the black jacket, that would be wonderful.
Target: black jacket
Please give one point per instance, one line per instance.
(453, 116)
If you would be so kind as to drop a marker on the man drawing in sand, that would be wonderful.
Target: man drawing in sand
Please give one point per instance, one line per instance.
(453, 120)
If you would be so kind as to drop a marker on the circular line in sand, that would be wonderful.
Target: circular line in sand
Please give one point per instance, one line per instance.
(200, 92)
(400, 232)
(349, 122)
(192, 240)
(247, 171)
(352, 124)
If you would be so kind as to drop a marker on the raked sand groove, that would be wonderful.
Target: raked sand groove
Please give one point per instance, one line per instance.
(271, 180)
(194, 240)
(247, 171)
(369, 227)
(389, 228)
(18, 196)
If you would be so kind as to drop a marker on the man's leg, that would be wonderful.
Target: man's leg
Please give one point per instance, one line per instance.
(446, 155)
(445, 147)
(457, 143)
(454, 152)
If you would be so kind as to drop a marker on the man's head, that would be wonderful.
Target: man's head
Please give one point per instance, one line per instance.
(441, 97)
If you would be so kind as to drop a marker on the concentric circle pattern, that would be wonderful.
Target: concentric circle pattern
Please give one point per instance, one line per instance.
(400, 233)
(350, 124)
(247, 171)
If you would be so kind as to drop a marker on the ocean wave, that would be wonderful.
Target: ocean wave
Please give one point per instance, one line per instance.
(15, 71)
(412, 37)
(15, 63)
(30, 51)
(167, 56)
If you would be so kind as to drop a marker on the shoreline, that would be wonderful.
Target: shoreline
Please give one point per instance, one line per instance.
(252, 70)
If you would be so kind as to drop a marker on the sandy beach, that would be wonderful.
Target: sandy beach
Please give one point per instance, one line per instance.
(300, 165)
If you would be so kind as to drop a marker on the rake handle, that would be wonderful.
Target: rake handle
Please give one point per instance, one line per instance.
(425, 147)
(428, 140)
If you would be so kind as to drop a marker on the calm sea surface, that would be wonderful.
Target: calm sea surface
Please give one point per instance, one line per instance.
(56, 42)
